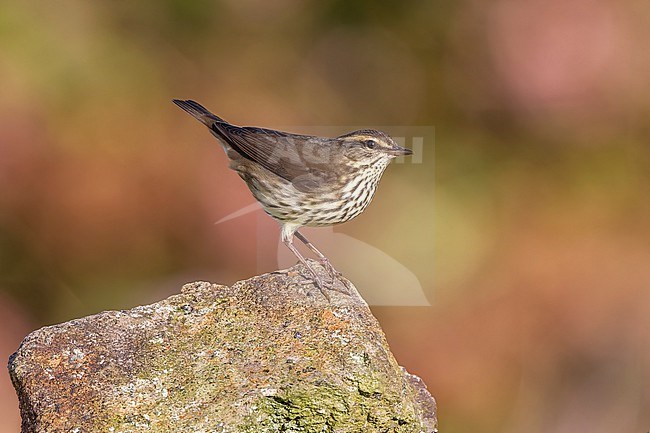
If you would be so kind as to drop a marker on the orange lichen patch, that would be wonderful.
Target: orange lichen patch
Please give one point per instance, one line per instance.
(332, 322)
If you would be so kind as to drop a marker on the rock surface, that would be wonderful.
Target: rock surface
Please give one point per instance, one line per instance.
(269, 354)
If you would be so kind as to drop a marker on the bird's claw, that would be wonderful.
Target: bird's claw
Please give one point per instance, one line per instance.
(316, 280)
(319, 284)
(336, 276)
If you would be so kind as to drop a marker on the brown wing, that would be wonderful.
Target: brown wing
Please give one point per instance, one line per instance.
(303, 160)
(300, 159)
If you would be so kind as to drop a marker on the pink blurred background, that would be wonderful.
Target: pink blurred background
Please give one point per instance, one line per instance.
(531, 239)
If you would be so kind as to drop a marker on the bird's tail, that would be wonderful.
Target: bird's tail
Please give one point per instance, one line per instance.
(198, 111)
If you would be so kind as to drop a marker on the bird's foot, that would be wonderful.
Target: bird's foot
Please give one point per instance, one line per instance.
(325, 263)
(317, 281)
(335, 282)
(336, 276)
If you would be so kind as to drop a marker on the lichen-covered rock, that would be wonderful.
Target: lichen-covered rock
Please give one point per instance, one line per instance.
(269, 354)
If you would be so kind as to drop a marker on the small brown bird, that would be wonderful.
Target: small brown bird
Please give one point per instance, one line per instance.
(303, 180)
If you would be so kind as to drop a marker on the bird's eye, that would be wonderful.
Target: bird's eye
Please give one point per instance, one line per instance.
(370, 144)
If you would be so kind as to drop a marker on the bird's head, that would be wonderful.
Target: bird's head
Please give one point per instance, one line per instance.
(369, 146)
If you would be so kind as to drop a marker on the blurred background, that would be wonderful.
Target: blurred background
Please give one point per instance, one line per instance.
(530, 239)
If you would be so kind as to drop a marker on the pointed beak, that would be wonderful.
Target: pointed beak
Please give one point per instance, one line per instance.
(399, 151)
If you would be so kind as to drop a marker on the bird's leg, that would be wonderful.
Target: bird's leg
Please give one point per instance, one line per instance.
(334, 274)
(287, 239)
(321, 257)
